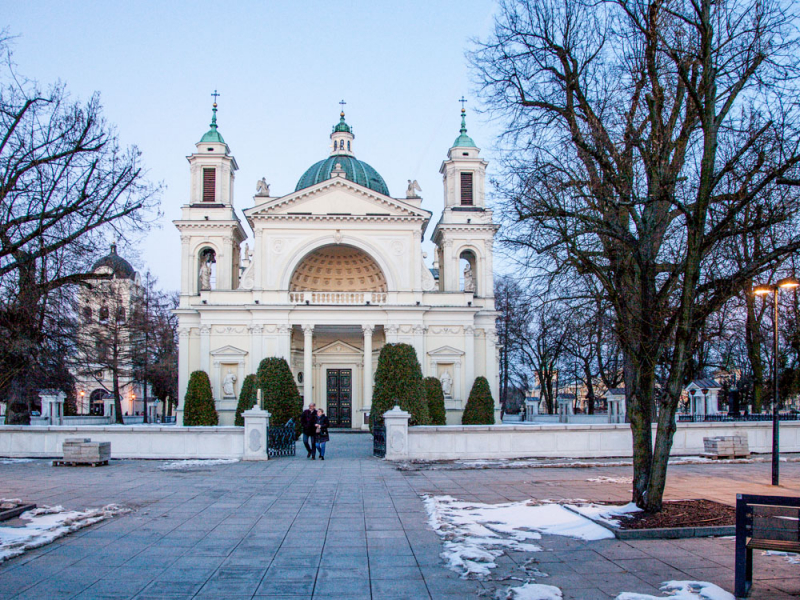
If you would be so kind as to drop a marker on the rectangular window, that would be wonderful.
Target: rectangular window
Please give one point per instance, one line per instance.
(466, 189)
(209, 185)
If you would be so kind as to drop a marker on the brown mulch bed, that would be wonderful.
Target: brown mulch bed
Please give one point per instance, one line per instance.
(683, 513)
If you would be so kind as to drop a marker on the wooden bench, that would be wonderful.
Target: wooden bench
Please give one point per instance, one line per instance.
(763, 523)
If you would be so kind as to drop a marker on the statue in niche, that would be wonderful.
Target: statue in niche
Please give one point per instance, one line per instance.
(469, 280)
(413, 188)
(262, 187)
(447, 384)
(228, 390)
(205, 274)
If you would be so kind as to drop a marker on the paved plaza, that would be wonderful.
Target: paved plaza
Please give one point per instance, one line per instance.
(350, 527)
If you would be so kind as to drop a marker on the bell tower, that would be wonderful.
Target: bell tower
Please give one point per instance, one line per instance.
(465, 231)
(211, 233)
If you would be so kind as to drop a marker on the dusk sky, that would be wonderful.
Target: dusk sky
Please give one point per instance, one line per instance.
(281, 69)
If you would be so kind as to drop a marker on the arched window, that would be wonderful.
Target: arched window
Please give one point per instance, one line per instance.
(103, 314)
(87, 314)
(469, 272)
(348, 146)
(121, 315)
(207, 270)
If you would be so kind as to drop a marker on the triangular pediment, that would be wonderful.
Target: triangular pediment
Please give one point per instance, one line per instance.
(338, 347)
(228, 351)
(337, 197)
(446, 351)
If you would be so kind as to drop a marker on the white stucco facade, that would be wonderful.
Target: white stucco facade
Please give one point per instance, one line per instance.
(329, 274)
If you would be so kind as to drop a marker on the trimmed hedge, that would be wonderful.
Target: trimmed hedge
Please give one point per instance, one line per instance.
(480, 406)
(247, 399)
(279, 393)
(198, 405)
(398, 380)
(434, 396)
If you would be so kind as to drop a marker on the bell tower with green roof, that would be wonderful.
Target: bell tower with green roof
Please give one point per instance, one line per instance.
(208, 224)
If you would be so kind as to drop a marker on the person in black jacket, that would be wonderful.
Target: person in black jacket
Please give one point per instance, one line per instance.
(309, 424)
(322, 432)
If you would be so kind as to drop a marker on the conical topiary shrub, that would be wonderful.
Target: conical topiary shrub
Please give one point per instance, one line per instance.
(247, 399)
(398, 380)
(480, 406)
(434, 396)
(279, 393)
(198, 405)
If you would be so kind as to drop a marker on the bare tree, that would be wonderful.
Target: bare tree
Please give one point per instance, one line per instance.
(65, 182)
(642, 131)
(543, 348)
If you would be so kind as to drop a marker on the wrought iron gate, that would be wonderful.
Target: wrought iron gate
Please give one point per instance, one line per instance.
(281, 440)
(379, 440)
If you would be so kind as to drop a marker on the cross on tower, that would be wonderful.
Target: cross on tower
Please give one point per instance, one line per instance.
(216, 95)
(463, 102)
(342, 103)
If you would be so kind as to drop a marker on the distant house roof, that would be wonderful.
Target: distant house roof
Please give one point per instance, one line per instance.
(704, 384)
(615, 392)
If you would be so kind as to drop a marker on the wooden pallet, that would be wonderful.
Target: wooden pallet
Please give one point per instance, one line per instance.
(724, 456)
(70, 463)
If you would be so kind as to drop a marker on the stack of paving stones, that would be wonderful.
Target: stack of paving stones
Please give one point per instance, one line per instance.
(84, 451)
(726, 446)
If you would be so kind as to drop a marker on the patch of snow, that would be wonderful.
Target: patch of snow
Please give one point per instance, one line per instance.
(475, 534)
(533, 591)
(46, 524)
(791, 557)
(603, 479)
(200, 462)
(14, 461)
(606, 512)
(683, 590)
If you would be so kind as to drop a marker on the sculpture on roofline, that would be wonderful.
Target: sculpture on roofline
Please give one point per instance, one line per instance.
(262, 187)
(413, 188)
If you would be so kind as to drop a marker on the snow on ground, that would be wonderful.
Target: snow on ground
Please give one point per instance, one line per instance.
(14, 461)
(603, 479)
(791, 557)
(683, 590)
(187, 464)
(475, 534)
(46, 524)
(606, 512)
(533, 591)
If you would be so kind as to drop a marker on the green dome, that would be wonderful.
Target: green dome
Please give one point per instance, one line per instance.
(342, 126)
(212, 136)
(463, 140)
(355, 170)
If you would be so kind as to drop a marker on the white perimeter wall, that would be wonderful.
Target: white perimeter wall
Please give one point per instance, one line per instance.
(575, 441)
(126, 441)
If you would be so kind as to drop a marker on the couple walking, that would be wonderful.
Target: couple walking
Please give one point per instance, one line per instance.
(315, 431)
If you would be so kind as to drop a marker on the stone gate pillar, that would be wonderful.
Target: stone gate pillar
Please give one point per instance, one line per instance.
(396, 421)
(256, 425)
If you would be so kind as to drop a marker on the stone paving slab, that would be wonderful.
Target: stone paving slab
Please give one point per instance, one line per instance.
(350, 527)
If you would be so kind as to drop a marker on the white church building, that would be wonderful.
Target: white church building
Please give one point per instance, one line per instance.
(335, 271)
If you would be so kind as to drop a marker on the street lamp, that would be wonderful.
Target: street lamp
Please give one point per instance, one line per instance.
(763, 290)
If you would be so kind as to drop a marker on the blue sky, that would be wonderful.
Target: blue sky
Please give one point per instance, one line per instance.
(281, 69)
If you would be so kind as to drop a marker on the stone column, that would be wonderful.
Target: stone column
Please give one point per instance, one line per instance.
(396, 421)
(183, 371)
(188, 276)
(205, 348)
(469, 355)
(308, 379)
(367, 329)
(256, 425)
(285, 342)
(450, 274)
(256, 347)
(258, 252)
(419, 345)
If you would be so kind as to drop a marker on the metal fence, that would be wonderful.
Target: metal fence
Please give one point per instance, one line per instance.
(379, 440)
(281, 440)
(734, 418)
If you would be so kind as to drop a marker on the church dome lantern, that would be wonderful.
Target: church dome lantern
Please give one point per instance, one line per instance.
(113, 264)
(342, 159)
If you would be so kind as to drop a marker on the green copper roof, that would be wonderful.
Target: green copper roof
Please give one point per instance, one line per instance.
(341, 125)
(212, 135)
(463, 140)
(355, 170)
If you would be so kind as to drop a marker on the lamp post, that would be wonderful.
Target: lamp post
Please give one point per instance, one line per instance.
(763, 290)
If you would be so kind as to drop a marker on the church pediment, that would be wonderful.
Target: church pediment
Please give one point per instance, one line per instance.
(337, 197)
(446, 351)
(228, 351)
(338, 347)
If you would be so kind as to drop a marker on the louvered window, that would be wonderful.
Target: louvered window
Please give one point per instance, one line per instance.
(466, 189)
(209, 185)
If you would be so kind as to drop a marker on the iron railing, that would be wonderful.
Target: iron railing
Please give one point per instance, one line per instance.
(379, 440)
(732, 418)
(281, 440)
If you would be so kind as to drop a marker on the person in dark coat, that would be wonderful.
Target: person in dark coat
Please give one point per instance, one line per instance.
(309, 424)
(322, 432)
